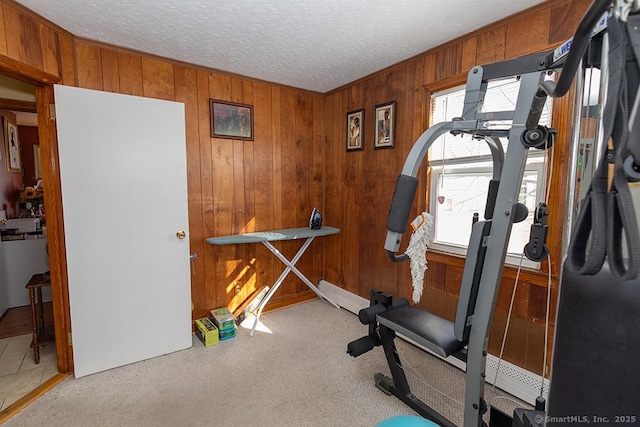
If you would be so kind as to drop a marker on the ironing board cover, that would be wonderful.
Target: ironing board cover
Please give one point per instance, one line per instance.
(272, 235)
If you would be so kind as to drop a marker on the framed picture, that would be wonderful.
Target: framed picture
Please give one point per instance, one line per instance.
(385, 125)
(231, 120)
(12, 146)
(355, 130)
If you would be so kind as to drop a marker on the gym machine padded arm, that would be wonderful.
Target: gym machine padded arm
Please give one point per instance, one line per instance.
(400, 210)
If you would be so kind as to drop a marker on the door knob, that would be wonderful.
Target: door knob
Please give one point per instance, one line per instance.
(181, 234)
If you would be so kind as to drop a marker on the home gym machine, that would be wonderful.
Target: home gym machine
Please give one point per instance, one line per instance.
(579, 341)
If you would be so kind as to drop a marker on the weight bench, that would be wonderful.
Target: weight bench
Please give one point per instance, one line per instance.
(386, 317)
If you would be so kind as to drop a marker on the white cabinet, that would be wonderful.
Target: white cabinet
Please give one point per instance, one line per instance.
(19, 260)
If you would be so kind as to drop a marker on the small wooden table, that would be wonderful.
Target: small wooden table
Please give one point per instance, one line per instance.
(41, 334)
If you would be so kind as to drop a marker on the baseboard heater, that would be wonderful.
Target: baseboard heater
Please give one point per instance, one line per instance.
(519, 382)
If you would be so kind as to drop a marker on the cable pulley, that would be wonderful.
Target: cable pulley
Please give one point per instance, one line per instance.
(631, 169)
(541, 137)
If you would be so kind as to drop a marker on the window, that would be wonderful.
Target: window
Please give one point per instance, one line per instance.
(461, 169)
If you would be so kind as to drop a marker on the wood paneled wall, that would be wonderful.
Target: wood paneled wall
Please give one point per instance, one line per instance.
(234, 186)
(298, 161)
(360, 184)
(28, 139)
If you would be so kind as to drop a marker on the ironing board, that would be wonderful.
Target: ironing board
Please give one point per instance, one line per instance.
(266, 237)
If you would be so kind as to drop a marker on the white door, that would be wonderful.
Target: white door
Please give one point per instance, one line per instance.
(124, 197)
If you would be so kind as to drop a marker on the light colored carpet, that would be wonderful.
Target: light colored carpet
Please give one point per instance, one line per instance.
(297, 375)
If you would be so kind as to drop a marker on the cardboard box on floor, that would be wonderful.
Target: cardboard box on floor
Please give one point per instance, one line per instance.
(223, 318)
(207, 332)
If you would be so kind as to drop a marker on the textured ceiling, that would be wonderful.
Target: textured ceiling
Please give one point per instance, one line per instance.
(311, 44)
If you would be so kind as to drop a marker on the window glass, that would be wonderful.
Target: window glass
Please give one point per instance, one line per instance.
(462, 193)
(461, 170)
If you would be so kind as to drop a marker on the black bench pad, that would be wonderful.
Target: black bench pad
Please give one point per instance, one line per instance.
(427, 329)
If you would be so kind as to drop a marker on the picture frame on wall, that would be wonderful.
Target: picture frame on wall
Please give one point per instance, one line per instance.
(12, 146)
(355, 130)
(231, 120)
(385, 126)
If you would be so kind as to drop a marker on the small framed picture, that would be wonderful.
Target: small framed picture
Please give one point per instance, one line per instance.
(12, 146)
(355, 127)
(385, 125)
(231, 120)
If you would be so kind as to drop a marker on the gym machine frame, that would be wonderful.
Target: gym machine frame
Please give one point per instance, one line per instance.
(483, 269)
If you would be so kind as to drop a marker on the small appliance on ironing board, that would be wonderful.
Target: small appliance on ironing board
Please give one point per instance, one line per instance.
(315, 222)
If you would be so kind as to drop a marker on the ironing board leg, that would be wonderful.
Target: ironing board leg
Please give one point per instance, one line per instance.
(290, 266)
(295, 270)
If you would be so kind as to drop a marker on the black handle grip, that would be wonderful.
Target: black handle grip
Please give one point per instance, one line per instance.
(360, 346)
(368, 315)
(400, 209)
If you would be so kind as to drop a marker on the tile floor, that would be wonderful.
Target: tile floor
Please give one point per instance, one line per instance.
(18, 372)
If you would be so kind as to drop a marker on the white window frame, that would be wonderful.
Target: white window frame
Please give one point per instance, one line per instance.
(482, 164)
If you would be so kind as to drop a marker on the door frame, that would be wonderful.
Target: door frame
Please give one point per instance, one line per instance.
(43, 83)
